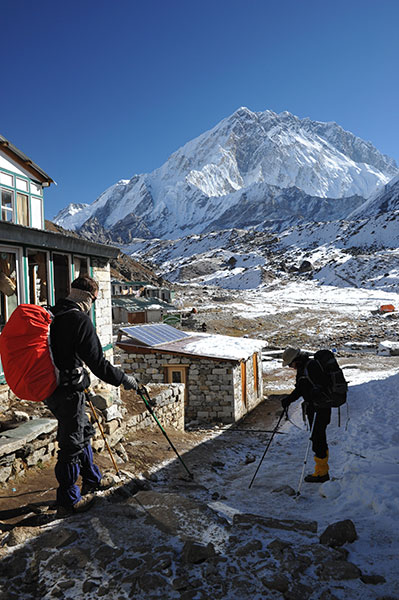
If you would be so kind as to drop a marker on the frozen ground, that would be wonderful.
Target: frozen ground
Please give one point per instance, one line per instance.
(302, 313)
(117, 548)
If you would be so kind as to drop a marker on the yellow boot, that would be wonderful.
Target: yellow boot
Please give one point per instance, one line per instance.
(320, 472)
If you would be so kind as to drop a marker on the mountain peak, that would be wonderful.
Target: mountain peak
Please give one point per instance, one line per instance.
(242, 112)
(248, 159)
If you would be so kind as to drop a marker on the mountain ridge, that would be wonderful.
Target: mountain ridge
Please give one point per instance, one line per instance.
(262, 155)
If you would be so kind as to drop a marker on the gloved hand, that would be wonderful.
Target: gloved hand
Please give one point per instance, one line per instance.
(143, 392)
(129, 382)
(285, 402)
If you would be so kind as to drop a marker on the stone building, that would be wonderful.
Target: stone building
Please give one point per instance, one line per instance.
(222, 374)
(141, 289)
(129, 309)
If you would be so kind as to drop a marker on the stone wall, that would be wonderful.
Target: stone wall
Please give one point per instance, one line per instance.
(169, 410)
(213, 386)
(103, 312)
(103, 316)
(254, 388)
(32, 443)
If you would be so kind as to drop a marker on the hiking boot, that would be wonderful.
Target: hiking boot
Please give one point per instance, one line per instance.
(104, 484)
(81, 506)
(317, 478)
(320, 472)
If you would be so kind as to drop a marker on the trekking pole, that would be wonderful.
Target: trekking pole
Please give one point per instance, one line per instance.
(267, 447)
(233, 430)
(143, 393)
(88, 394)
(305, 460)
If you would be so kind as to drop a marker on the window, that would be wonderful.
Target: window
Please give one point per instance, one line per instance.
(22, 209)
(80, 266)
(6, 205)
(6, 179)
(8, 286)
(22, 184)
(36, 212)
(61, 275)
(36, 189)
(38, 277)
(177, 374)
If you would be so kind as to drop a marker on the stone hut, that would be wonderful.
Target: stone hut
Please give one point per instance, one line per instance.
(222, 374)
(129, 309)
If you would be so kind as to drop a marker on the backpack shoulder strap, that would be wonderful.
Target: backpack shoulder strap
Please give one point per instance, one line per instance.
(64, 312)
(321, 384)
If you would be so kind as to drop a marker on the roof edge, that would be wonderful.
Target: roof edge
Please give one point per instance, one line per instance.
(24, 160)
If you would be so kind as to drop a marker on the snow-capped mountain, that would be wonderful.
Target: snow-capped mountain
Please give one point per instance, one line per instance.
(356, 252)
(384, 201)
(250, 168)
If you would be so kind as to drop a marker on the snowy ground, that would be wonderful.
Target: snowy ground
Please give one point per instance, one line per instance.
(364, 463)
(110, 543)
(364, 451)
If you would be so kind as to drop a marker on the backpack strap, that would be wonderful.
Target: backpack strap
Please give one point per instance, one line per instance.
(320, 388)
(69, 378)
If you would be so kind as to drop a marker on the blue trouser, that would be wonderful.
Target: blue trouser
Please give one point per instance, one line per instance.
(75, 455)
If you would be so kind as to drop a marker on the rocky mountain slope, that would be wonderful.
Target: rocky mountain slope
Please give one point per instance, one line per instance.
(249, 169)
(383, 202)
(361, 252)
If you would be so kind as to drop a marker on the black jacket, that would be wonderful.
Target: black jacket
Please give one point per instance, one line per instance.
(74, 341)
(311, 382)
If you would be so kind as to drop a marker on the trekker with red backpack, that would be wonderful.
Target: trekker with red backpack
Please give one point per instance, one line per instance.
(312, 384)
(75, 343)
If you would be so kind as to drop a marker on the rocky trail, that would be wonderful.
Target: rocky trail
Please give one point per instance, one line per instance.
(164, 536)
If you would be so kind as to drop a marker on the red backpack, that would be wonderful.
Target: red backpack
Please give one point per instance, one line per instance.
(26, 355)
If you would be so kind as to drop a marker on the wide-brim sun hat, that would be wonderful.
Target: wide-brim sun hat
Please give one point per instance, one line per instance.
(289, 355)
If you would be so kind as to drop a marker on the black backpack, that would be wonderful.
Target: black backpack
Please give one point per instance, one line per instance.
(336, 392)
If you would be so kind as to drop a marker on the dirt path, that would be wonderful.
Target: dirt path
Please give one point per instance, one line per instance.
(35, 491)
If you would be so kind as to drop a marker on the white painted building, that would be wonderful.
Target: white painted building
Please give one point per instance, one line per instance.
(38, 266)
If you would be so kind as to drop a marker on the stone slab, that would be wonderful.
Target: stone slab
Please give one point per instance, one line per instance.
(30, 430)
(8, 446)
(248, 520)
(184, 517)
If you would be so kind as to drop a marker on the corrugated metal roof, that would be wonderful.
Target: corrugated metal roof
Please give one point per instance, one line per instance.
(119, 281)
(136, 304)
(27, 236)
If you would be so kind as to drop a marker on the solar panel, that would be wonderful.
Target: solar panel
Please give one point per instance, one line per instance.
(153, 335)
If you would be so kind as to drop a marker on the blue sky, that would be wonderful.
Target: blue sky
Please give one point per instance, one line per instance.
(97, 90)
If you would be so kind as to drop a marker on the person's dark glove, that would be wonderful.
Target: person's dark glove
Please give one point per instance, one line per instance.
(144, 394)
(129, 382)
(285, 402)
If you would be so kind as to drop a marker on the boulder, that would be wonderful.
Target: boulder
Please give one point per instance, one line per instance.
(338, 534)
(197, 553)
(305, 267)
(339, 570)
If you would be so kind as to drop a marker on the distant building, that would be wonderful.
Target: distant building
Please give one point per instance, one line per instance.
(130, 309)
(141, 289)
(38, 266)
(222, 374)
